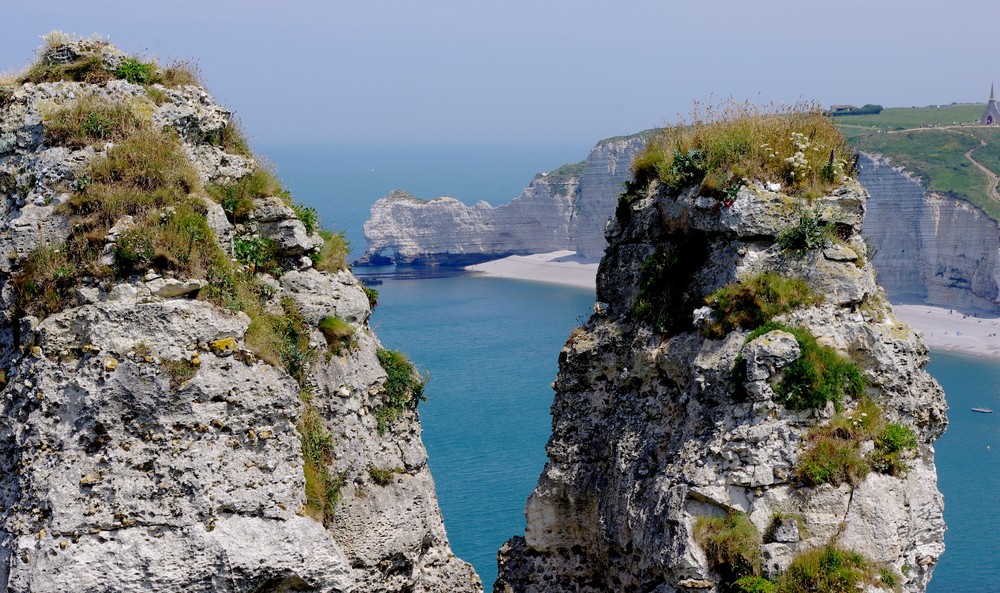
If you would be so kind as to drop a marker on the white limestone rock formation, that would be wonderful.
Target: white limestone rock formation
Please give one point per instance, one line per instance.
(144, 445)
(937, 248)
(564, 209)
(653, 429)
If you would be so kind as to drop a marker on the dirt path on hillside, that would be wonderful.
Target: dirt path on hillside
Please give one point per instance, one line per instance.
(989, 174)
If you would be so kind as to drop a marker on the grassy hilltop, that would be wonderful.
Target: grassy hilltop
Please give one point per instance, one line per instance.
(944, 145)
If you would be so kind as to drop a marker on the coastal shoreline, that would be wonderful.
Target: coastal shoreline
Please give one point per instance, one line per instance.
(966, 331)
(556, 267)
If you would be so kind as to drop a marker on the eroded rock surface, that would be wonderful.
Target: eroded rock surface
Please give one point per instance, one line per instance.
(652, 431)
(144, 445)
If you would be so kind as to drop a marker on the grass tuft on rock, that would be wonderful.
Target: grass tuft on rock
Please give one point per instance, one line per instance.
(339, 334)
(237, 197)
(403, 389)
(833, 452)
(93, 121)
(332, 256)
(732, 545)
(322, 487)
(750, 303)
(820, 374)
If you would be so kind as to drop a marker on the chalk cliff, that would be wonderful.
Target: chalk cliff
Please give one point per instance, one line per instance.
(175, 418)
(564, 209)
(935, 247)
(656, 432)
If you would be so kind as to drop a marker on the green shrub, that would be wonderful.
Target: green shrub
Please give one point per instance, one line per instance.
(133, 251)
(257, 253)
(339, 334)
(753, 302)
(136, 72)
(381, 476)
(728, 144)
(372, 295)
(887, 576)
(818, 375)
(404, 388)
(755, 584)
(828, 570)
(92, 120)
(810, 233)
(307, 215)
(831, 460)
(833, 451)
(332, 256)
(891, 445)
(732, 545)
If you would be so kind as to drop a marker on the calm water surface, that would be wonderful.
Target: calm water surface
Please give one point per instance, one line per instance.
(490, 346)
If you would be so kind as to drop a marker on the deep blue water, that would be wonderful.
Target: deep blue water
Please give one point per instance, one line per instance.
(491, 348)
(968, 462)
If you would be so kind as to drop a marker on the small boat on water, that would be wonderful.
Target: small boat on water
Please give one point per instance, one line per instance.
(982, 410)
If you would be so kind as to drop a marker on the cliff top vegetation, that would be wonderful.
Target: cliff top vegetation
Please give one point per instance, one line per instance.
(944, 146)
(733, 144)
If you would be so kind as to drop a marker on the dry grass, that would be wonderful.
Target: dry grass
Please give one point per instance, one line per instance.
(732, 544)
(93, 120)
(237, 197)
(180, 73)
(725, 146)
(332, 256)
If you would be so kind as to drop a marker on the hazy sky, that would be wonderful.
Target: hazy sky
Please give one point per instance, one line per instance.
(540, 72)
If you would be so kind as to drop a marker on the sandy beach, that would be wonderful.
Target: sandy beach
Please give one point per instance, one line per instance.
(964, 331)
(961, 330)
(557, 267)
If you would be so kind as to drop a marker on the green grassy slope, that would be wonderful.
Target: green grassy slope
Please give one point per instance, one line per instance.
(932, 142)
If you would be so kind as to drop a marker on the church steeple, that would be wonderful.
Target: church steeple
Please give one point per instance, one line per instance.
(991, 116)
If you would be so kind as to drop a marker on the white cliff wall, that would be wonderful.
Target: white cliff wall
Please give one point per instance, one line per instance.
(561, 210)
(930, 246)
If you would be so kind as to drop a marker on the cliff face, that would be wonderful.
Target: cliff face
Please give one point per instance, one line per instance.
(936, 247)
(653, 432)
(151, 439)
(565, 209)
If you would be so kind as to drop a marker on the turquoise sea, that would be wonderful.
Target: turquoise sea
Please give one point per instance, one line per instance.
(491, 347)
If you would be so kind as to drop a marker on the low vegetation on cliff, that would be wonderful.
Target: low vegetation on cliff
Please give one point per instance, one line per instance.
(734, 144)
(733, 547)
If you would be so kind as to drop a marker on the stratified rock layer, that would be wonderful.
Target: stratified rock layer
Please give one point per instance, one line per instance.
(650, 432)
(120, 475)
(565, 209)
(938, 248)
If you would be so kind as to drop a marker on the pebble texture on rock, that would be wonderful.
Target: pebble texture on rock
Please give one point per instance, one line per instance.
(565, 209)
(119, 476)
(649, 432)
